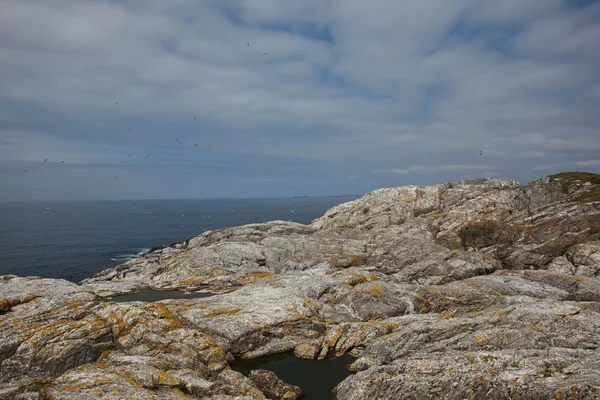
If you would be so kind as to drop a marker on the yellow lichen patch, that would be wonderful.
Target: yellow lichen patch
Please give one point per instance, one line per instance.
(54, 328)
(192, 280)
(76, 387)
(29, 297)
(356, 260)
(306, 351)
(162, 311)
(310, 303)
(164, 378)
(356, 279)
(334, 336)
(375, 290)
(480, 340)
(7, 278)
(215, 357)
(349, 261)
(4, 305)
(398, 333)
(223, 311)
(252, 276)
(448, 314)
(330, 298)
(217, 271)
(373, 277)
(105, 354)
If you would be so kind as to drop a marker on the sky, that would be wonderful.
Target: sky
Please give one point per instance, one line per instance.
(275, 98)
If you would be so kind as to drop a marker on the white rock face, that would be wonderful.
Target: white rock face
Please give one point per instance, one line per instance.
(473, 289)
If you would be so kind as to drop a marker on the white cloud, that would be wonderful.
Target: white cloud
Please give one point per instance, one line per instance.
(588, 163)
(387, 80)
(486, 169)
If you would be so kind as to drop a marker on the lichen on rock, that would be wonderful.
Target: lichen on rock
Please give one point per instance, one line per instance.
(479, 288)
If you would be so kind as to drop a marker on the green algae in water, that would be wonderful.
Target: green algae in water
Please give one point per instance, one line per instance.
(157, 295)
(316, 378)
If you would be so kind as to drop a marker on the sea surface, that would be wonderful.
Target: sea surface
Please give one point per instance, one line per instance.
(74, 240)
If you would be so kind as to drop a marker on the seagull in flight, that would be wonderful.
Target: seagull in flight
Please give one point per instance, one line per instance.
(481, 152)
(45, 159)
(178, 141)
(248, 44)
(184, 133)
(264, 54)
(62, 162)
(116, 177)
(25, 172)
(194, 117)
(117, 103)
(196, 145)
(148, 155)
(130, 155)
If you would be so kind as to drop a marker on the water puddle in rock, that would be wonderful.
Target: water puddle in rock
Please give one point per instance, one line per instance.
(157, 295)
(316, 378)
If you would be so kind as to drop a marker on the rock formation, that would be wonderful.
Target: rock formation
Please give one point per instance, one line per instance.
(477, 289)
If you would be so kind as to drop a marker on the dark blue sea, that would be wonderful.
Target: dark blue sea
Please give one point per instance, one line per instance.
(74, 240)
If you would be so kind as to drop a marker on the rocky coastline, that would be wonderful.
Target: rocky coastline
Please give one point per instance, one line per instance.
(476, 289)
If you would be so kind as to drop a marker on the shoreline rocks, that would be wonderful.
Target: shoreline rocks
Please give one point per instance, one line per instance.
(480, 288)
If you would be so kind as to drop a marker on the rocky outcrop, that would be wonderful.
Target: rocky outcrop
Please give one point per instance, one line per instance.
(272, 386)
(479, 288)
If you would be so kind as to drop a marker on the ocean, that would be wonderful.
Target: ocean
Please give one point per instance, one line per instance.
(75, 239)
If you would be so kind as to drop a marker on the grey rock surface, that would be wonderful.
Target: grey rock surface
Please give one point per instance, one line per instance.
(475, 289)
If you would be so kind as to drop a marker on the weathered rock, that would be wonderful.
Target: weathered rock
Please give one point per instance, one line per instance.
(474, 289)
(272, 386)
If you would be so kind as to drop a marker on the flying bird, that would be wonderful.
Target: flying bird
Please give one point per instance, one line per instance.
(116, 177)
(35, 187)
(117, 103)
(25, 172)
(178, 141)
(129, 129)
(248, 44)
(148, 155)
(105, 149)
(264, 54)
(194, 117)
(130, 155)
(62, 162)
(184, 133)
(45, 159)
(481, 152)
(196, 145)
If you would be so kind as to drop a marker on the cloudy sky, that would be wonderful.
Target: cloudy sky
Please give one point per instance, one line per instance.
(353, 95)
